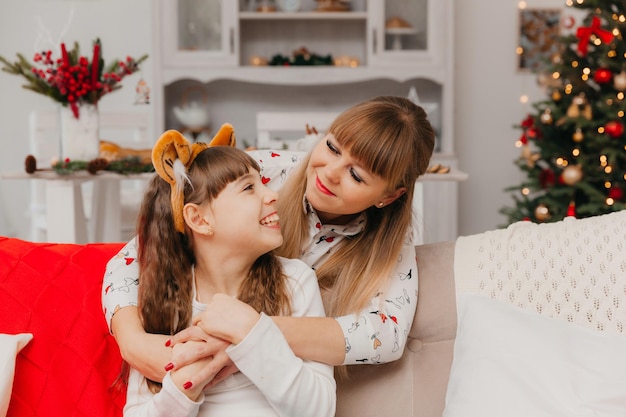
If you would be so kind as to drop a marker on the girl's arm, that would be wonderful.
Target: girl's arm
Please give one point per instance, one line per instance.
(169, 402)
(262, 353)
(293, 386)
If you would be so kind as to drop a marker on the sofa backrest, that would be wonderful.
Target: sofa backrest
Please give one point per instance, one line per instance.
(415, 385)
(70, 365)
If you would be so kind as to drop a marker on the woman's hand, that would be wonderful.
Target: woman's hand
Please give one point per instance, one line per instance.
(183, 375)
(218, 365)
(227, 318)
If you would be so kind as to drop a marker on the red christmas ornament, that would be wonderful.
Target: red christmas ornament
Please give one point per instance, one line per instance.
(546, 178)
(523, 139)
(603, 76)
(571, 210)
(614, 129)
(528, 122)
(533, 133)
(616, 193)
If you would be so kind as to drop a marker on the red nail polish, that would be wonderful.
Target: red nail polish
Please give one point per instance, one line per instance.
(168, 343)
(169, 366)
(187, 385)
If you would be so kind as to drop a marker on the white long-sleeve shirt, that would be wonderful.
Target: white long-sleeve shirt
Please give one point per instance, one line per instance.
(376, 334)
(272, 381)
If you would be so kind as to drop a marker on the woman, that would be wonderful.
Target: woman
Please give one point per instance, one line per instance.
(346, 212)
(205, 239)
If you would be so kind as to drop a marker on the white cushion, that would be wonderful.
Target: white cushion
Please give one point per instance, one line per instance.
(511, 362)
(10, 345)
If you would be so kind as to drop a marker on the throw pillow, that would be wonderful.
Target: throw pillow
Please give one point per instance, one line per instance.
(10, 346)
(514, 362)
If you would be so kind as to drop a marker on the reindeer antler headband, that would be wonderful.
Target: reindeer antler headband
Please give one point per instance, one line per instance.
(172, 155)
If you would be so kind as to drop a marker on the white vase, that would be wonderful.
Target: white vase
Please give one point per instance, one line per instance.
(80, 137)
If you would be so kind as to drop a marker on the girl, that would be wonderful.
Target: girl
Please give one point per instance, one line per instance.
(346, 212)
(212, 253)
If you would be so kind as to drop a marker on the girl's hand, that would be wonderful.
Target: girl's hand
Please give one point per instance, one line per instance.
(218, 364)
(227, 318)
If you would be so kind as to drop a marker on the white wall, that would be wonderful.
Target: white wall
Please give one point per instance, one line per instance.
(487, 84)
(487, 92)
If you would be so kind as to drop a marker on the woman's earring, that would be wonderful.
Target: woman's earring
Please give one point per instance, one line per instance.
(381, 204)
(209, 232)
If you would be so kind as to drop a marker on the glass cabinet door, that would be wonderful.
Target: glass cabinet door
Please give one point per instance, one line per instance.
(406, 25)
(199, 25)
(199, 32)
(403, 31)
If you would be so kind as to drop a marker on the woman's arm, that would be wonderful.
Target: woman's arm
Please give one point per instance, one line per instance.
(378, 333)
(120, 285)
(314, 338)
(145, 352)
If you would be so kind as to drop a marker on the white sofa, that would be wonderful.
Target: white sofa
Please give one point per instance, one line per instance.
(527, 321)
(524, 321)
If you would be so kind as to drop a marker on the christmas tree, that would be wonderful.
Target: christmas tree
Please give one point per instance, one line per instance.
(573, 146)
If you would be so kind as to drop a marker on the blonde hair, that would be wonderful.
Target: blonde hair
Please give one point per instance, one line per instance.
(166, 256)
(393, 139)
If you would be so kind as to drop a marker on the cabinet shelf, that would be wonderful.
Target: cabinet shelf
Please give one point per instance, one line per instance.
(303, 16)
(304, 75)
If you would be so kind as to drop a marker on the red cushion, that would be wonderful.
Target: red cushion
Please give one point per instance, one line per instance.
(53, 291)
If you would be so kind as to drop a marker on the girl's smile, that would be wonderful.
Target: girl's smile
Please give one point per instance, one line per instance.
(271, 220)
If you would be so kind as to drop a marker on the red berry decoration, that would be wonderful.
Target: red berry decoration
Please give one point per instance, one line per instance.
(603, 76)
(614, 129)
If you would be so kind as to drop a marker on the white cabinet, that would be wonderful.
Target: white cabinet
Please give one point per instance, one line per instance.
(215, 46)
(208, 43)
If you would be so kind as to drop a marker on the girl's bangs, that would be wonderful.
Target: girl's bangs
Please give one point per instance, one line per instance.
(221, 167)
